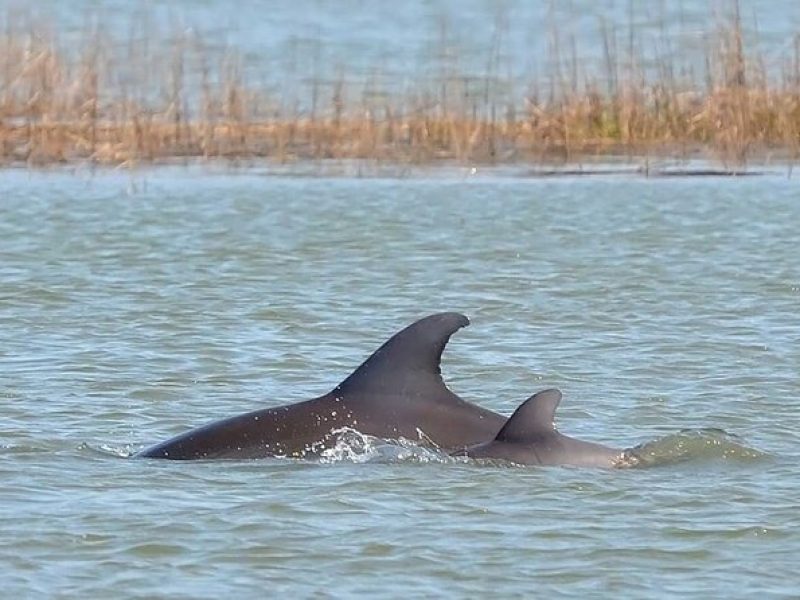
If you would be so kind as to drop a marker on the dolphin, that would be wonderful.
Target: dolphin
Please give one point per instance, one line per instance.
(397, 392)
(529, 437)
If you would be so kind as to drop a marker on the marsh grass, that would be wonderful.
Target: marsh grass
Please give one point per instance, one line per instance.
(155, 97)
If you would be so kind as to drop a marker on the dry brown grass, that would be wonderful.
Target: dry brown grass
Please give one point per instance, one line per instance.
(89, 103)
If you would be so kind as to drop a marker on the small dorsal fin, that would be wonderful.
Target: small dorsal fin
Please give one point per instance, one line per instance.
(408, 363)
(533, 418)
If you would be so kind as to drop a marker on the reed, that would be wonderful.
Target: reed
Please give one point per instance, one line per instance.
(157, 97)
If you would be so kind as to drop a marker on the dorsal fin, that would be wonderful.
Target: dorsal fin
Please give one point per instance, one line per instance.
(408, 363)
(533, 418)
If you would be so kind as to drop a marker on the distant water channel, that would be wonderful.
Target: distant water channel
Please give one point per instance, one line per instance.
(135, 306)
(508, 49)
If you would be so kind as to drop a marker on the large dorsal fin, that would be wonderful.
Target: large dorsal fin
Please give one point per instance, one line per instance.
(533, 418)
(408, 363)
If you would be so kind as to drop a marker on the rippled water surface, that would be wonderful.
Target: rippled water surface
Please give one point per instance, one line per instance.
(132, 308)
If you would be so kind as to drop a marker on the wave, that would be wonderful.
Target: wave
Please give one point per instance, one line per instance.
(690, 445)
(350, 445)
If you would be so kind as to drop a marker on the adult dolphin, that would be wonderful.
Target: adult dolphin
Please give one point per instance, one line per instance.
(529, 437)
(396, 392)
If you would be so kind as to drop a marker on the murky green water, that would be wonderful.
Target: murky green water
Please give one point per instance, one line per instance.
(134, 308)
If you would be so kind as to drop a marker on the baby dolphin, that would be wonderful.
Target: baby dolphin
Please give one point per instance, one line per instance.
(529, 437)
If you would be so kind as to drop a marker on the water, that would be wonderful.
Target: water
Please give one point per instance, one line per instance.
(510, 49)
(135, 306)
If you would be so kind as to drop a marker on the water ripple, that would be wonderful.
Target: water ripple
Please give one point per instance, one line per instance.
(666, 312)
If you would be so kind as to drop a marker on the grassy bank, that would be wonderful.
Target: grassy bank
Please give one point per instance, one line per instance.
(119, 101)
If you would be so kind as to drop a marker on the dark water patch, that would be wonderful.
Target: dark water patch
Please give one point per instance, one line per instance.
(702, 173)
(643, 171)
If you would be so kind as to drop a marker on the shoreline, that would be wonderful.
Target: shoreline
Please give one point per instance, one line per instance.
(446, 170)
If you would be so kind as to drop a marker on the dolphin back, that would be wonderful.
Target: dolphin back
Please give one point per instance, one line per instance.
(397, 392)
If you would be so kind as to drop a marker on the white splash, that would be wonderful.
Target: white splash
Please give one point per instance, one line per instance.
(353, 446)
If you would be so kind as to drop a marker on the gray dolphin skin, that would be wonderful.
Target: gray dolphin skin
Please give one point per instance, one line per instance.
(396, 392)
(529, 437)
